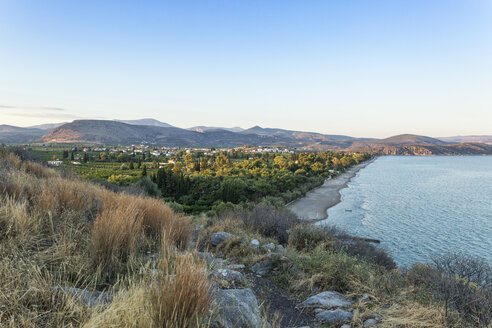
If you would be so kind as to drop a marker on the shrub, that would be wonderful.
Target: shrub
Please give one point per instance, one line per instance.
(330, 270)
(461, 282)
(267, 220)
(305, 237)
(149, 187)
(369, 253)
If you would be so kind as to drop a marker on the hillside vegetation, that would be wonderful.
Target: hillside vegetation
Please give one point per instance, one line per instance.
(73, 254)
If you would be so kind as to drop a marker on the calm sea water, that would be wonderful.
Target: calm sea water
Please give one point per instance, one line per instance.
(420, 207)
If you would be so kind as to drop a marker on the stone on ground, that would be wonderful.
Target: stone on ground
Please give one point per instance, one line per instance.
(219, 237)
(334, 316)
(237, 308)
(326, 300)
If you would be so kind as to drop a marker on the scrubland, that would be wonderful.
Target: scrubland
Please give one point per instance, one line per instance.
(58, 233)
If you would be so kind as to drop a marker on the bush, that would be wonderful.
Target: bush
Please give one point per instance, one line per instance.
(267, 220)
(305, 237)
(149, 187)
(461, 282)
(369, 253)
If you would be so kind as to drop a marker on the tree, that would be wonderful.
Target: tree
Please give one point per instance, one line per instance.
(65, 154)
(130, 166)
(85, 158)
(71, 156)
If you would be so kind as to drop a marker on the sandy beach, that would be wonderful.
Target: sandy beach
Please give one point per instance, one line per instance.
(314, 205)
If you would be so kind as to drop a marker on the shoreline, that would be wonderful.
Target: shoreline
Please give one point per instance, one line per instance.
(314, 206)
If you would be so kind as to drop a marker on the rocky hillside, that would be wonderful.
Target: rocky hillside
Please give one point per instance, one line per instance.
(14, 134)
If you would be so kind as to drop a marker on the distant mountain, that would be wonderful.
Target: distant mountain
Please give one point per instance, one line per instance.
(295, 134)
(14, 134)
(146, 121)
(113, 132)
(162, 134)
(487, 139)
(202, 128)
(48, 126)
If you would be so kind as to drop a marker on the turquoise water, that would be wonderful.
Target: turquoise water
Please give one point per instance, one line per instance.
(420, 207)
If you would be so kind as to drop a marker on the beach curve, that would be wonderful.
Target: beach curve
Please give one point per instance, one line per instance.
(314, 206)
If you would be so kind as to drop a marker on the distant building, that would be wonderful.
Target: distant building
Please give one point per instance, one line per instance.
(55, 163)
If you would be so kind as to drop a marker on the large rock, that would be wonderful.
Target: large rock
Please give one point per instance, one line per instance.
(255, 243)
(90, 299)
(237, 308)
(268, 247)
(262, 268)
(326, 300)
(219, 237)
(228, 278)
(334, 316)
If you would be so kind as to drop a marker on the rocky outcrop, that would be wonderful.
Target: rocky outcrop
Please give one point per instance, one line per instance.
(227, 278)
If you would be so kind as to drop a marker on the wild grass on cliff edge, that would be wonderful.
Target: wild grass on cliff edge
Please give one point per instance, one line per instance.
(56, 231)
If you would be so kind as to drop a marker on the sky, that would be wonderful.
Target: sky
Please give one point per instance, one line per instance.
(360, 68)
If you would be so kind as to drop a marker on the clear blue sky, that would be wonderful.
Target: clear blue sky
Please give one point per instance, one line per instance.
(362, 68)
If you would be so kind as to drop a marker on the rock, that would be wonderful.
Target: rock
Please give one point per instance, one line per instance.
(228, 278)
(196, 232)
(90, 299)
(208, 257)
(334, 316)
(280, 249)
(237, 308)
(255, 243)
(365, 298)
(326, 300)
(219, 237)
(262, 268)
(370, 323)
(236, 266)
(346, 326)
(268, 247)
(219, 263)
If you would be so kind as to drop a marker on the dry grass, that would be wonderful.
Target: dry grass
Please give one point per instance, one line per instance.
(413, 315)
(159, 217)
(183, 297)
(60, 232)
(115, 234)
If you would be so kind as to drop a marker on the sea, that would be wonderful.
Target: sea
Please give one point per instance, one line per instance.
(420, 207)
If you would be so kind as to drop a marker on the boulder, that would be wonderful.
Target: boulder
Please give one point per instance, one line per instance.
(219, 237)
(326, 300)
(262, 268)
(228, 278)
(236, 266)
(370, 323)
(255, 243)
(268, 247)
(279, 249)
(90, 299)
(236, 308)
(334, 316)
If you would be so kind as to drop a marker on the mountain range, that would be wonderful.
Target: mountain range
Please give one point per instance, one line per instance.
(151, 131)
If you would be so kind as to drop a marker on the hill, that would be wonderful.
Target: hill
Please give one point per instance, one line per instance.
(14, 134)
(487, 139)
(146, 121)
(112, 132)
(203, 128)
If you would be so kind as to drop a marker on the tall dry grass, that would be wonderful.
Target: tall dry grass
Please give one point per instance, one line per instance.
(56, 231)
(159, 217)
(183, 296)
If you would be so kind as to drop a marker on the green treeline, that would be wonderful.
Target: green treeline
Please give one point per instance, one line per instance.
(201, 183)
